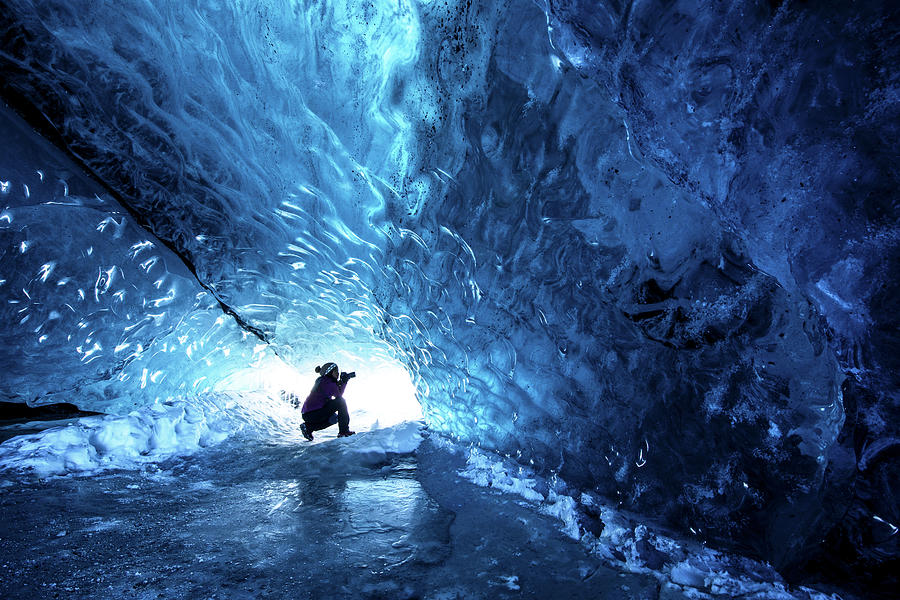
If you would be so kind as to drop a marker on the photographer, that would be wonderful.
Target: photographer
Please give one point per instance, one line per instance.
(325, 404)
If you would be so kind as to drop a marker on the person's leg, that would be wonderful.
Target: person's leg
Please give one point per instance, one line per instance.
(324, 417)
(343, 415)
(319, 418)
(319, 421)
(332, 420)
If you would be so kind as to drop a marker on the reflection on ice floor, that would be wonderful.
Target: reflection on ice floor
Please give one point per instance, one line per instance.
(364, 517)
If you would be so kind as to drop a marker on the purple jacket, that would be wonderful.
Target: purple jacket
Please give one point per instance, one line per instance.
(323, 390)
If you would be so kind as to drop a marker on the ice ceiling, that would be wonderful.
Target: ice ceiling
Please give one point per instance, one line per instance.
(651, 247)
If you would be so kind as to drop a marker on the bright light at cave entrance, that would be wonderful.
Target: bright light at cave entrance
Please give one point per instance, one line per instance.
(382, 397)
(381, 394)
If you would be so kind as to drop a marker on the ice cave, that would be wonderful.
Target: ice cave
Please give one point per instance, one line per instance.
(618, 280)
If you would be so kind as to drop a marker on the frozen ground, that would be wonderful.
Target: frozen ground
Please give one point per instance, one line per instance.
(248, 520)
(380, 515)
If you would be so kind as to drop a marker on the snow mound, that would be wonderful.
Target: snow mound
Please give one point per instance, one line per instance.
(377, 445)
(151, 434)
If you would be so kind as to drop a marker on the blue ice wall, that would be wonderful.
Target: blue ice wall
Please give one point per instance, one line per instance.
(649, 247)
(97, 310)
(205, 124)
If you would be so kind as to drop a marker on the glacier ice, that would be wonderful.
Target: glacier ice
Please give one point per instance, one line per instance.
(649, 248)
(356, 517)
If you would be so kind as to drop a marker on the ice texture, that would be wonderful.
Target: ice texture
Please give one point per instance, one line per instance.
(650, 248)
(158, 432)
(97, 310)
(284, 521)
(94, 444)
(616, 536)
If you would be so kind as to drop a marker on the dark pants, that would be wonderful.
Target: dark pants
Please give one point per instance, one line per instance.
(326, 417)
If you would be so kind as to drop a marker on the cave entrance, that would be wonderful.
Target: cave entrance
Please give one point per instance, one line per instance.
(381, 395)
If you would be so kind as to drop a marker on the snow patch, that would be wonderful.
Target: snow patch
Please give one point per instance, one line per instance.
(686, 564)
(379, 444)
(151, 434)
(510, 582)
(685, 574)
(484, 470)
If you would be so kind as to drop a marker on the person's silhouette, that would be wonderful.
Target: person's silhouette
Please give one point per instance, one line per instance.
(325, 404)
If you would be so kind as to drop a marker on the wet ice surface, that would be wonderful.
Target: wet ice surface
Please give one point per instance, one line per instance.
(336, 518)
(252, 520)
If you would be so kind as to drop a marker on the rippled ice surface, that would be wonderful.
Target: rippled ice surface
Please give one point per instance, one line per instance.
(380, 515)
(649, 248)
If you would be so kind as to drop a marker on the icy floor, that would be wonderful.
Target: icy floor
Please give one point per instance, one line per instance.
(366, 517)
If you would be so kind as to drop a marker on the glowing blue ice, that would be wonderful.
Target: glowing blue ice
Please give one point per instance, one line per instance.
(638, 245)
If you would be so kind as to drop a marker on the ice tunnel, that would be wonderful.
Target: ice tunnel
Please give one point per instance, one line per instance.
(649, 249)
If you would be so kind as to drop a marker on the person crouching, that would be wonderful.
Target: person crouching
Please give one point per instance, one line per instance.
(325, 404)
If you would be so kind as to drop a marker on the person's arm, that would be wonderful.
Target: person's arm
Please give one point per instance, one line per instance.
(331, 388)
(344, 378)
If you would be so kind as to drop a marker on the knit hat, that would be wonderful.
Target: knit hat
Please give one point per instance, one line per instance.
(327, 368)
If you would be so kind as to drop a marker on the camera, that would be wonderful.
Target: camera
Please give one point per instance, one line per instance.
(348, 376)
